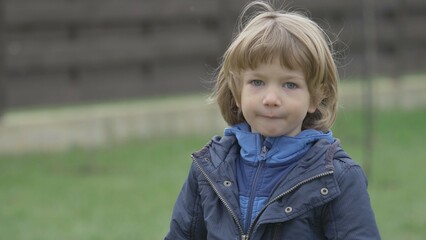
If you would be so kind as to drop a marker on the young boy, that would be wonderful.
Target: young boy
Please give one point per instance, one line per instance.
(277, 173)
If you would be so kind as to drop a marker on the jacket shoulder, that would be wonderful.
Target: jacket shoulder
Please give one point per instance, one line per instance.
(352, 215)
(346, 169)
(218, 150)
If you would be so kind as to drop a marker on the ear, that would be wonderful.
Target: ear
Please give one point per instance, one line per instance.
(312, 107)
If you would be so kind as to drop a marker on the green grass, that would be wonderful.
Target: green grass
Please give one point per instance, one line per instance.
(127, 191)
(397, 168)
(120, 192)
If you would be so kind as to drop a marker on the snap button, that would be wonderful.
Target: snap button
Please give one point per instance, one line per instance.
(206, 159)
(288, 210)
(227, 183)
(324, 191)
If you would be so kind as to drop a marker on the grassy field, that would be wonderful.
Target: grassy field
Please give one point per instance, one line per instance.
(127, 191)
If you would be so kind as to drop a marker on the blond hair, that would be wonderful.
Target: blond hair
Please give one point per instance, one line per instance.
(298, 42)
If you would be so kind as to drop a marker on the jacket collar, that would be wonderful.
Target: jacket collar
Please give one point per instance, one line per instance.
(223, 151)
(281, 149)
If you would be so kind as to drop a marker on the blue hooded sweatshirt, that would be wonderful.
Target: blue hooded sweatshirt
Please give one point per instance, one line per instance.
(264, 161)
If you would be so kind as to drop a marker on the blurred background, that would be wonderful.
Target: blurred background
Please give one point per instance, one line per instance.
(102, 103)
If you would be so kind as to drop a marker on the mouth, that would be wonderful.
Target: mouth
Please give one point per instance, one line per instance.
(271, 116)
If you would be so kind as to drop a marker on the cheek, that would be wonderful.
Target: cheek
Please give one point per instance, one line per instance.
(247, 100)
(244, 99)
(246, 108)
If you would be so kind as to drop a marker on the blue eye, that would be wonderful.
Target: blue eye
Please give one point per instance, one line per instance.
(257, 83)
(290, 85)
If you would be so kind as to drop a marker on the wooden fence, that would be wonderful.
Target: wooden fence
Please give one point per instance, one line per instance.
(62, 51)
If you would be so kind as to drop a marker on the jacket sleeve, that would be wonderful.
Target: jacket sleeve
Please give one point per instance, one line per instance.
(350, 215)
(187, 220)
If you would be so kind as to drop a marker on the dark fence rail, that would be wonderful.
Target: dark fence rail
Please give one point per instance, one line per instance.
(62, 51)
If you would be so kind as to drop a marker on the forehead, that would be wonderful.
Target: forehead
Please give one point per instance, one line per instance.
(273, 70)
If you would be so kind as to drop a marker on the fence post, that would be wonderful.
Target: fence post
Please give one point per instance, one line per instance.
(370, 55)
(2, 61)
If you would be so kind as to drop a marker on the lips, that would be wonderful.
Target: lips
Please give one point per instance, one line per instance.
(271, 116)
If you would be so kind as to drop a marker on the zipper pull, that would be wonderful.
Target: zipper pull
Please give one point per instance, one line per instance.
(244, 237)
(263, 152)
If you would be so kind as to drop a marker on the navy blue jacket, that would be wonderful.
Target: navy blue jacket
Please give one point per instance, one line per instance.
(324, 196)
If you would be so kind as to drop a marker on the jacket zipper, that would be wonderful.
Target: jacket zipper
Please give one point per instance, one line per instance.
(234, 216)
(246, 237)
(254, 186)
(249, 211)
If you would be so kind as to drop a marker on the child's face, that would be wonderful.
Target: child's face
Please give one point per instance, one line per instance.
(274, 99)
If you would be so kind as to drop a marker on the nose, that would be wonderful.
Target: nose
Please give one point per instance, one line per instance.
(271, 99)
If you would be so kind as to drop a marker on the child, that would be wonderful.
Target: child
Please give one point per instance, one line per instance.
(277, 173)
